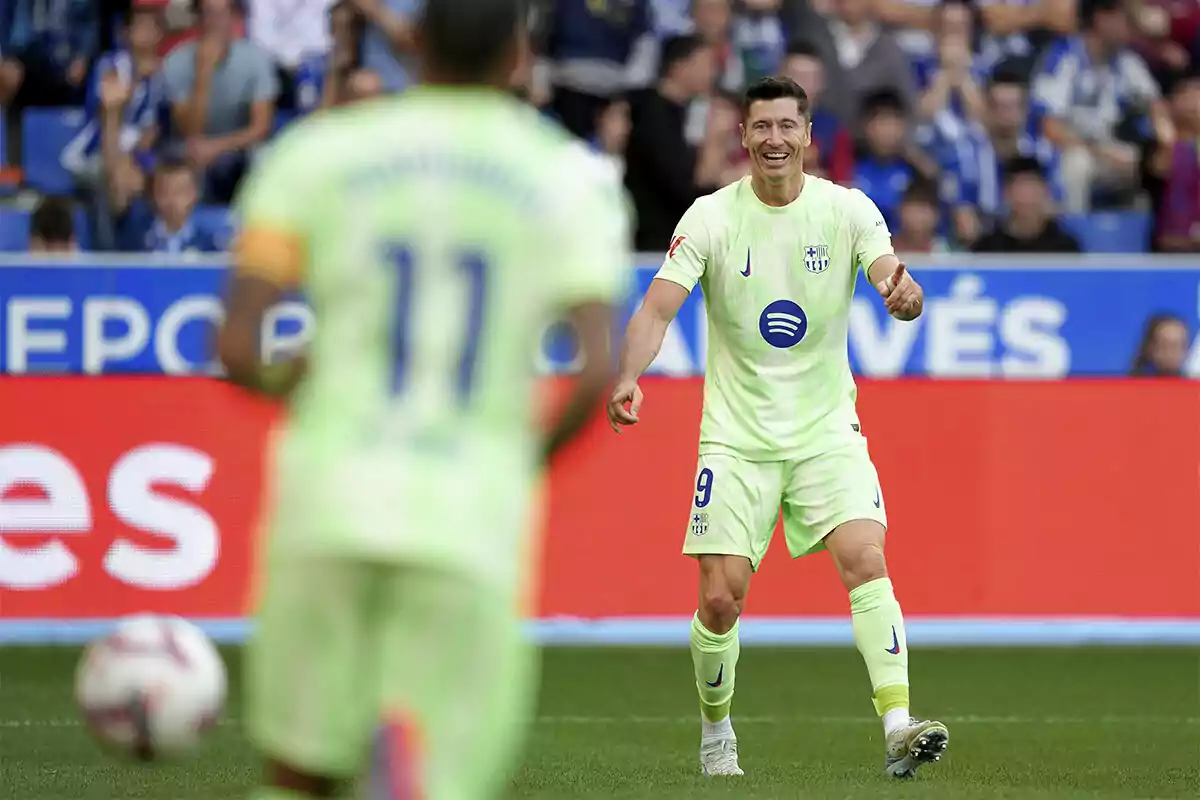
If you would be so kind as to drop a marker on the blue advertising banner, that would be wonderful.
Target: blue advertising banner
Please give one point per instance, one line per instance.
(1035, 318)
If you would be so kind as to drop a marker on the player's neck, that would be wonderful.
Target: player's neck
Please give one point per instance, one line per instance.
(778, 193)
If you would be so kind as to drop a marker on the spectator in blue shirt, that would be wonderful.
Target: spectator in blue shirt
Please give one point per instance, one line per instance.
(387, 41)
(47, 47)
(973, 161)
(881, 171)
(169, 226)
(112, 152)
(1086, 87)
(337, 77)
(949, 79)
(590, 48)
(920, 220)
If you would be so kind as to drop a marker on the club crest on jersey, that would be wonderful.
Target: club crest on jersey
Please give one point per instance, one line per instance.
(699, 523)
(816, 258)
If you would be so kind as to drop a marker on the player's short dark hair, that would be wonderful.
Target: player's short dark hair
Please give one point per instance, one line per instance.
(921, 190)
(1022, 165)
(775, 87)
(53, 221)
(881, 102)
(469, 39)
(803, 48)
(676, 49)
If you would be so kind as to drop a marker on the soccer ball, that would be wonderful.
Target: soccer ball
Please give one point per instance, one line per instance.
(151, 688)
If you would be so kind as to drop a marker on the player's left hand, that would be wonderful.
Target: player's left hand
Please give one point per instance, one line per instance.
(902, 295)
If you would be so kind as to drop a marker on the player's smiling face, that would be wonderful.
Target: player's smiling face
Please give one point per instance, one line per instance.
(776, 134)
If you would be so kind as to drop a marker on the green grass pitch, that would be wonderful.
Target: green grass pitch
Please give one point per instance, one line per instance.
(622, 723)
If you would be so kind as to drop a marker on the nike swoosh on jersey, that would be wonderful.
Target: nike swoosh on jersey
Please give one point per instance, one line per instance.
(878, 498)
(746, 273)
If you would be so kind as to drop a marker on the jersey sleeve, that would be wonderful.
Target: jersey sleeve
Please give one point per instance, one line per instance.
(274, 205)
(590, 233)
(869, 231)
(687, 254)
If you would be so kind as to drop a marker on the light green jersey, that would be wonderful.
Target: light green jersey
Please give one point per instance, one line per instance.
(777, 286)
(440, 232)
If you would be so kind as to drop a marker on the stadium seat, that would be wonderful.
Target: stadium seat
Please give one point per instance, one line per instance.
(14, 230)
(1110, 231)
(45, 132)
(217, 220)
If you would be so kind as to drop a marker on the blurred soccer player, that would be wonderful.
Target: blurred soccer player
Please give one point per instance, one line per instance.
(436, 233)
(776, 255)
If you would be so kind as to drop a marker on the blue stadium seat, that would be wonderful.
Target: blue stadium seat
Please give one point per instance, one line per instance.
(1110, 231)
(14, 230)
(217, 220)
(45, 132)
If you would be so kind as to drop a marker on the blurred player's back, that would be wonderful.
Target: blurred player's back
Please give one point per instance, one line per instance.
(436, 235)
(435, 259)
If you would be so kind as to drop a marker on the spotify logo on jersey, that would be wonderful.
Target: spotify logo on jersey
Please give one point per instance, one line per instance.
(783, 324)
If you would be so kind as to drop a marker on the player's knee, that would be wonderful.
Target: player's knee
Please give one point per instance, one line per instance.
(719, 608)
(863, 565)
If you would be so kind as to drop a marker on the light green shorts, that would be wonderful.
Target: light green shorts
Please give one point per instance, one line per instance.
(737, 503)
(402, 676)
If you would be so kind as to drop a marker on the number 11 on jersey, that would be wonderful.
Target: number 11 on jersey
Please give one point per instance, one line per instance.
(472, 267)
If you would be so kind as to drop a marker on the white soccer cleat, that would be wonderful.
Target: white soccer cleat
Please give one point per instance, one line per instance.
(920, 742)
(719, 756)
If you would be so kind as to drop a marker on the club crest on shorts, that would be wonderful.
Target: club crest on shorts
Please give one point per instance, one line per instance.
(699, 523)
(816, 258)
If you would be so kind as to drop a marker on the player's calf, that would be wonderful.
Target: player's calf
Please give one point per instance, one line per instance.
(724, 581)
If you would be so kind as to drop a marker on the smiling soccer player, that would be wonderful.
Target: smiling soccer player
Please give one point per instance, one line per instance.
(776, 255)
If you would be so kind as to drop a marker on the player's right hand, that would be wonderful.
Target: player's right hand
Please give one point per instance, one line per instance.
(618, 415)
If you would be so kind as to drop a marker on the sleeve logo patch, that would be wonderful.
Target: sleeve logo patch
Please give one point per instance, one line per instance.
(675, 242)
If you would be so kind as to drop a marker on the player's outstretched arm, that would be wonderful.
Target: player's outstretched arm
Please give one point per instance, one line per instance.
(901, 293)
(593, 323)
(643, 338)
(238, 345)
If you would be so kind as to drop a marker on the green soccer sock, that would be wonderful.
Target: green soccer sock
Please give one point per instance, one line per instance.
(879, 635)
(715, 658)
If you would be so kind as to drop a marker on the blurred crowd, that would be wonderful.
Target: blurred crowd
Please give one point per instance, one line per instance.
(973, 125)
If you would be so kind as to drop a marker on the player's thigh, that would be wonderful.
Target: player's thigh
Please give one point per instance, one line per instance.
(457, 685)
(735, 505)
(828, 490)
(308, 662)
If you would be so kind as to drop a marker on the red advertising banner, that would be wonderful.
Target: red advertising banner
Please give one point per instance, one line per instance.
(1005, 499)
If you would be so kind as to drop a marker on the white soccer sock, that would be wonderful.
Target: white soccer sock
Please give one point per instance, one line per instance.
(894, 720)
(722, 729)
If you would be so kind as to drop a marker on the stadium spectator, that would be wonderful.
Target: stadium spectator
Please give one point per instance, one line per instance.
(1179, 168)
(1164, 348)
(289, 32)
(52, 226)
(1029, 226)
(47, 47)
(114, 148)
(831, 151)
(664, 172)
(590, 51)
(882, 171)
(1167, 33)
(167, 225)
(612, 132)
(323, 80)
(973, 161)
(387, 39)
(861, 58)
(713, 23)
(920, 220)
(758, 38)
(222, 92)
(1086, 88)
(950, 78)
